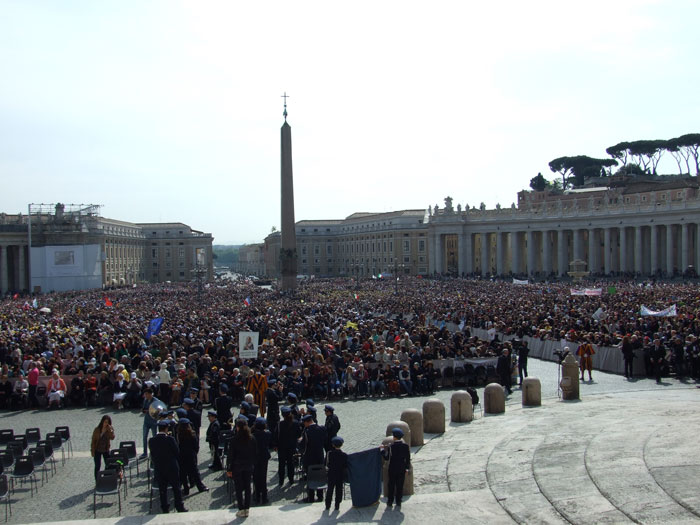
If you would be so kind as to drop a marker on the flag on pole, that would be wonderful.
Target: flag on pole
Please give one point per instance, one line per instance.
(612, 290)
(108, 302)
(246, 301)
(16, 296)
(357, 297)
(34, 303)
(154, 327)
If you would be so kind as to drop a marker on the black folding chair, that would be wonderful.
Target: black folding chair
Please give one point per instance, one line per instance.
(39, 460)
(57, 444)
(6, 435)
(64, 432)
(33, 435)
(123, 456)
(15, 449)
(7, 459)
(316, 478)
(20, 441)
(116, 464)
(130, 448)
(24, 468)
(107, 483)
(46, 445)
(5, 494)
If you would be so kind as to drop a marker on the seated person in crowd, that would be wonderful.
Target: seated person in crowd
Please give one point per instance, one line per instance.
(56, 390)
(77, 389)
(5, 391)
(20, 392)
(90, 389)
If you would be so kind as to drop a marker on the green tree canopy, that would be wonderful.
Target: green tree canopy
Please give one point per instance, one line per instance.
(575, 170)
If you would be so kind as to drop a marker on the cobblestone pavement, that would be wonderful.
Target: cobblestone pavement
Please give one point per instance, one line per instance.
(68, 494)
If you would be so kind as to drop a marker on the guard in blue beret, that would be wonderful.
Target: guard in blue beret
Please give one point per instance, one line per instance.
(312, 412)
(273, 396)
(292, 400)
(337, 462)
(310, 402)
(222, 405)
(311, 445)
(263, 440)
(398, 454)
(188, 442)
(288, 432)
(213, 440)
(164, 453)
(332, 425)
(193, 414)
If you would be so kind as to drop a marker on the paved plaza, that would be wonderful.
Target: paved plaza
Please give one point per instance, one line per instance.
(625, 453)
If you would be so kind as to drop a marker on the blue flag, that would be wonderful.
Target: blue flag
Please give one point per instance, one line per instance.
(154, 327)
(365, 476)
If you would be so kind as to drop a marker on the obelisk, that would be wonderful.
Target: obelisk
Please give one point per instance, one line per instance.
(288, 251)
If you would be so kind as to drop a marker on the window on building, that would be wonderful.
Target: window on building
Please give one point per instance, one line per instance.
(329, 249)
(317, 250)
(663, 196)
(406, 246)
(181, 253)
(421, 245)
(155, 265)
(167, 274)
(154, 252)
(317, 270)
(303, 250)
(303, 261)
(167, 253)
(406, 259)
(182, 274)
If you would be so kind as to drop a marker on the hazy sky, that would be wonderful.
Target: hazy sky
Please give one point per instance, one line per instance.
(171, 111)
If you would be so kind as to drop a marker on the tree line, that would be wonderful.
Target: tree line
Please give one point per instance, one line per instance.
(639, 157)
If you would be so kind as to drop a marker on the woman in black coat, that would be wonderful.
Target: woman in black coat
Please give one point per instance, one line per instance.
(242, 454)
(189, 447)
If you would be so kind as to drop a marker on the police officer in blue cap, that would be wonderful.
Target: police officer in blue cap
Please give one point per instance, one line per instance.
(332, 425)
(193, 414)
(288, 432)
(188, 442)
(337, 462)
(164, 455)
(273, 396)
(399, 456)
(311, 445)
(263, 439)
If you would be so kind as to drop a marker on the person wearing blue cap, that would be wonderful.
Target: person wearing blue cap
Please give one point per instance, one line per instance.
(292, 399)
(263, 439)
(288, 432)
(223, 405)
(164, 455)
(332, 425)
(189, 448)
(213, 440)
(193, 414)
(311, 445)
(337, 462)
(399, 456)
(242, 454)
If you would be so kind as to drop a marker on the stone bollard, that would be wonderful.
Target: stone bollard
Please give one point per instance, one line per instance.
(532, 392)
(403, 426)
(408, 480)
(461, 409)
(494, 399)
(433, 416)
(569, 378)
(414, 419)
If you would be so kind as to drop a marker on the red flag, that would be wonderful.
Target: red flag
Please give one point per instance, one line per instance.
(16, 296)
(108, 302)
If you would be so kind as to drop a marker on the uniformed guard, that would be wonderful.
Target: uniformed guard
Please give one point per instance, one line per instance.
(311, 444)
(164, 455)
(188, 442)
(193, 414)
(273, 396)
(292, 400)
(336, 461)
(399, 456)
(213, 440)
(288, 431)
(332, 425)
(263, 439)
(223, 405)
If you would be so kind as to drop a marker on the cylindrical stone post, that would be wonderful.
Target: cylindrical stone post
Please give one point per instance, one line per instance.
(494, 399)
(408, 480)
(532, 392)
(461, 409)
(414, 419)
(403, 426)
(434, 416)
(569, 378)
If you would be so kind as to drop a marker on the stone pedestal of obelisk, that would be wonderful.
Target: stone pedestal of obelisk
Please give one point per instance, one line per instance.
(288, 250)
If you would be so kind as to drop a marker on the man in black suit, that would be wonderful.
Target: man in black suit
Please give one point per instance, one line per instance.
(311, 445)
(164, 454)
(503, 369)
(195, 416)
(332, 425)
(399, 456)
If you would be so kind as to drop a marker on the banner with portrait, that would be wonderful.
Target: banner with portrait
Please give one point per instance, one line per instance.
(248, 345)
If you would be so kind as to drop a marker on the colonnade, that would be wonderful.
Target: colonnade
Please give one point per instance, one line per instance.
(641, 249)
(13, 268)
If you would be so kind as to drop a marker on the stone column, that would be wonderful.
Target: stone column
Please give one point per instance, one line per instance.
(468, 254)
(530, 253)
(3, 270)
(592, 250)
(684, 247)
(654, 241)
(288, 253)
(22, 283)
(606, 253)
(697, 247)
(638, 257)
(562, 259)
(577, 244)
(485, 255)
(460, 257)
(500, 262)
(623, 249)
(546, 252)
(669, 249)
(438, 252)
(514, 253)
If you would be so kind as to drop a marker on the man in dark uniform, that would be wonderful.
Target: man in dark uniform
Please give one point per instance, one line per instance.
(149, 424)
(164, 454)
(523, 352)
(336, 461)
(194, 415)
(658, 355)
(311, 444)
(273, 396)
(288, 431)
(292, 400)
(213, 440)
(263, 438)
(399, 456)
(223, 405)
(503, 369)
(332, 425)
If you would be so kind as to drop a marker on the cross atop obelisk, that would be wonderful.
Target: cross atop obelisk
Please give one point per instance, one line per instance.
(288, 251)
(285, 97)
